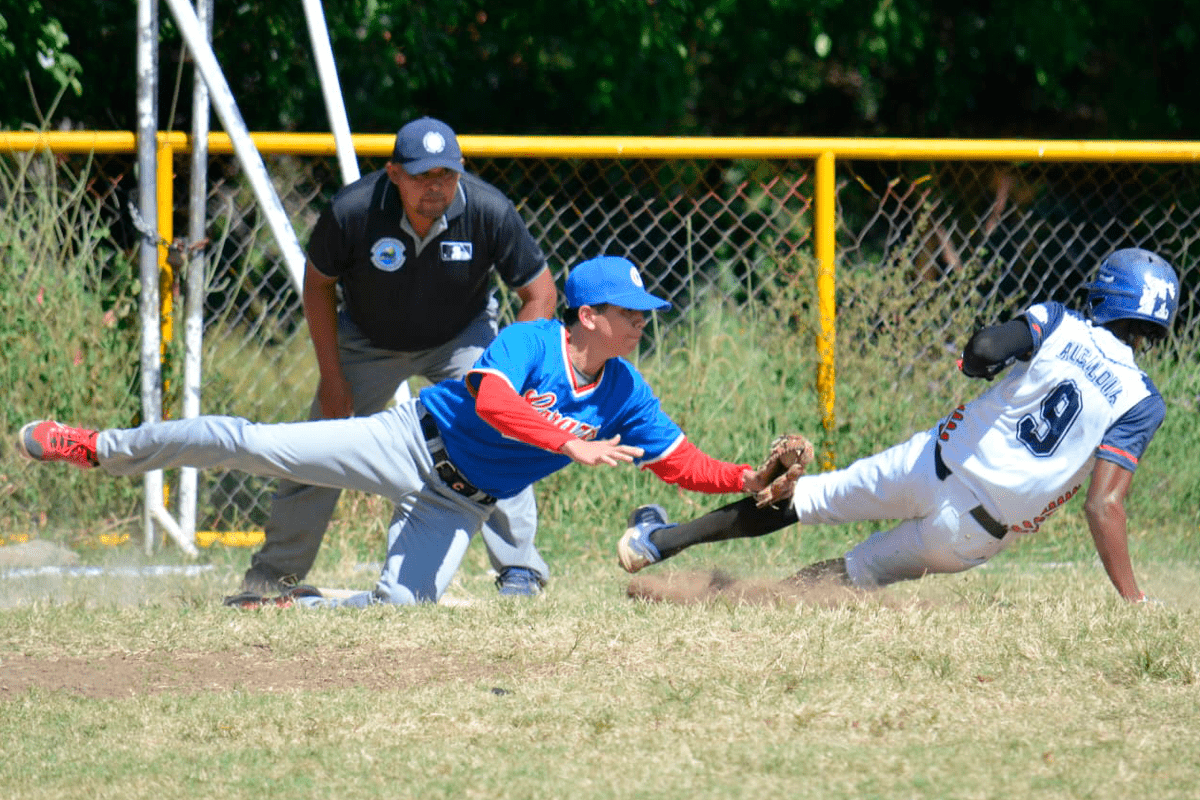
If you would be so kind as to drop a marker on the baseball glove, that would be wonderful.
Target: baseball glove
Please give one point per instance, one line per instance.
(786, 461)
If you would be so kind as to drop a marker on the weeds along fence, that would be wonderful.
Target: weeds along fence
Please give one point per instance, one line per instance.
(931, 238)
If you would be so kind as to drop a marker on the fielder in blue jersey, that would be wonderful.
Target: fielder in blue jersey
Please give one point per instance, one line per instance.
(532, 361)
(1073, 408)
(542, 395)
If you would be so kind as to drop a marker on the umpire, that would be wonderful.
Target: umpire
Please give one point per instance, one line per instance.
(412, 248)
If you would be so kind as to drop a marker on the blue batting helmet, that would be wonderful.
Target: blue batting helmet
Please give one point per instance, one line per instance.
(1134, 284)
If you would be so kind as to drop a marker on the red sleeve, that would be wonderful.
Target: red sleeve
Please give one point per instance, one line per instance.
(501, 407)
(694, 470)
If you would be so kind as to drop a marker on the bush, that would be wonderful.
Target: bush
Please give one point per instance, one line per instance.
(68, 298)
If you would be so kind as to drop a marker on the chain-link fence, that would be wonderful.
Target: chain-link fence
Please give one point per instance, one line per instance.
(988, 236)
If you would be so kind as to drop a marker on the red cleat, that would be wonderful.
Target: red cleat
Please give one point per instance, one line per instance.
(46, 440)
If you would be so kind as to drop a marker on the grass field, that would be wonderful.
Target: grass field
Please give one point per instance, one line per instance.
(1025, 678)
(1028, 677)
(1020, 679)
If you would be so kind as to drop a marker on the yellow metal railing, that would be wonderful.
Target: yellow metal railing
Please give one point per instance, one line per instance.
(824, 153)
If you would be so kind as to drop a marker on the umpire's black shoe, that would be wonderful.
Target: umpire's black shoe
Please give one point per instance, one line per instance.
(284, 599)
(259, 581)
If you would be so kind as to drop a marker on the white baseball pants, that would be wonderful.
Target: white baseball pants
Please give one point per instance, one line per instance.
(937, 532)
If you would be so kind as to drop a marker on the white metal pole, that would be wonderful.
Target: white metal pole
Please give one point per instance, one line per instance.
(331, 89)
(147, 143)
(196, 277)
(243, 145)
(335, 107)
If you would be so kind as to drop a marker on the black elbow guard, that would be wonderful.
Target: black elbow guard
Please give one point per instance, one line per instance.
(977, 368)
(992, 349)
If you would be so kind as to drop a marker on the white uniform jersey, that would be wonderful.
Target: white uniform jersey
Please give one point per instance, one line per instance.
(1026, 446)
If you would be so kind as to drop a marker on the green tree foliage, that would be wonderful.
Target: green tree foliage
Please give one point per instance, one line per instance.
(1077, 68)
(34, 59)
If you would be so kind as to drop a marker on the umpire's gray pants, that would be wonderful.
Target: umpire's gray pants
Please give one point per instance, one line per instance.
(384, 454)
(300, 514)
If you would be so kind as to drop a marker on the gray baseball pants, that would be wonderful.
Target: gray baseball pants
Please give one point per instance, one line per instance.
(384, 454)
(300, 513)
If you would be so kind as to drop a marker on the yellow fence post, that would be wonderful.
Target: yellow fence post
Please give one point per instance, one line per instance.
(166, 234)
(825, 231)
(165, 187)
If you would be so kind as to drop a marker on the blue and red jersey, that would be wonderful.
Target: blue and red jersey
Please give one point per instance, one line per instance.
(532, 357)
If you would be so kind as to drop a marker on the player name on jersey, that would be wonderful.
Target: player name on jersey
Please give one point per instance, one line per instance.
(1093, 369)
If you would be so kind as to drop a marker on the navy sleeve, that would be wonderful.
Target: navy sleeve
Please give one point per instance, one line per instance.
(1127, 439)
(1042, 319)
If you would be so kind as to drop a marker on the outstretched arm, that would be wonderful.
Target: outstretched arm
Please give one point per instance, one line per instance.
(1105, 509)
(500, 406)
(691, 468)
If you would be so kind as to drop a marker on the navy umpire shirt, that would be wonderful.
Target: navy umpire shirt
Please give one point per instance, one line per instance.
(406, 299)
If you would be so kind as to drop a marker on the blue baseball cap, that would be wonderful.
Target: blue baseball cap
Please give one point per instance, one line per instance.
(610, 279)
(426, 144)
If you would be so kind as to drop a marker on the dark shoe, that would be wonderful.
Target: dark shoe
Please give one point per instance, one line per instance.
(243, 600)
(258, 581)
(46, 440)
(518, 582)
(285, 599)
(831, 571)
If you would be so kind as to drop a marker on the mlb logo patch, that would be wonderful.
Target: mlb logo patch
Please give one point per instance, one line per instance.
(457, 251)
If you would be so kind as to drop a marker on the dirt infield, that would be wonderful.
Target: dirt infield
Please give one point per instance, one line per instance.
(135, 674)
(687, 588)
(259, 668)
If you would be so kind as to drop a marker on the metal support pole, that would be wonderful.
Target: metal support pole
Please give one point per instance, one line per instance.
(154, 185)
(243, 145)
(147, 132)
(331, 89)
(825, 233)
(195, 279)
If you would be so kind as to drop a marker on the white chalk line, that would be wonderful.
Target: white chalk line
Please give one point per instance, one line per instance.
(186, 570)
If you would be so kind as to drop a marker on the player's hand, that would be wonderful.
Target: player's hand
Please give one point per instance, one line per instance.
(600, 451)
(752, 482)
(335, 398)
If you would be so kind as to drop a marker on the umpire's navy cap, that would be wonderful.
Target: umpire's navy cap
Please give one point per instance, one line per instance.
(426, 144)
(613, 280)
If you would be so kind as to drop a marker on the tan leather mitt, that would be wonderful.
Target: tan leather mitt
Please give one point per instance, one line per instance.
(787, 460)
